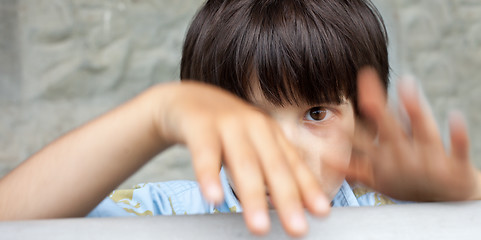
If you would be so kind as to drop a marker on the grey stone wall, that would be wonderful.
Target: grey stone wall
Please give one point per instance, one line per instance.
(9, 63)
(63, 62)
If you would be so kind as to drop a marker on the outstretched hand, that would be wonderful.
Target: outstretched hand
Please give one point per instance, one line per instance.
(218, 127)
(409, 164)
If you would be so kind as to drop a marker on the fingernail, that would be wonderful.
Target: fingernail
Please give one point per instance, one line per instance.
(321, 204)
(409, 85)
(298, 223)
(260, 221)
(456, 115)
(409, 79)
(214, 193)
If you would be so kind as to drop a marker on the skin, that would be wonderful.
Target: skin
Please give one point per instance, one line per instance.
(253, 147)
(410, 164)
(261, 146)
(318, 138)
(216, 126)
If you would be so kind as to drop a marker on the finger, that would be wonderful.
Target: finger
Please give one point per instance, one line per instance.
(312, 195)
(282, 185)
(364, 138)
(423, 124)
(363, 149)
(361, 169)
(243, 163)
(372, 103)
(205, 148)
(459, 137)
(371, 98)
(360, 166)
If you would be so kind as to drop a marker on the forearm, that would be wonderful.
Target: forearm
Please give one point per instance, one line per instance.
(74, 173)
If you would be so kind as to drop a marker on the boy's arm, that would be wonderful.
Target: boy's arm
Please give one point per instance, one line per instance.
(72, 175)
(410, 164)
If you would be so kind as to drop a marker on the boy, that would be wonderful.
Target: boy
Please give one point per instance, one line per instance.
(290, 128)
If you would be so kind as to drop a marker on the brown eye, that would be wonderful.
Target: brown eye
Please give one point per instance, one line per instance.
(317, 114)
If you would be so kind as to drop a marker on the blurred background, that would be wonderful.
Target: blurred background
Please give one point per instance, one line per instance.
(64, 62)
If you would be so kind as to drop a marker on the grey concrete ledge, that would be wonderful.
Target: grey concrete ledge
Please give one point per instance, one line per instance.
(412, 221)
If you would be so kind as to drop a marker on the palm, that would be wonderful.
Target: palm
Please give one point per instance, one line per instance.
(409, 165)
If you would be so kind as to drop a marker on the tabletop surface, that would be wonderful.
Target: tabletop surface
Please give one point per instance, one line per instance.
(410, 221)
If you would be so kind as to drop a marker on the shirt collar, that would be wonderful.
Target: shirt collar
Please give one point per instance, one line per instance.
(345, 197)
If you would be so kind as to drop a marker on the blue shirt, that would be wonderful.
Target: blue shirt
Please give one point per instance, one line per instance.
(184, 197)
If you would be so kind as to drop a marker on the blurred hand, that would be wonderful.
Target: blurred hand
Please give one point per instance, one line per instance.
(218, 127)
(409, 164)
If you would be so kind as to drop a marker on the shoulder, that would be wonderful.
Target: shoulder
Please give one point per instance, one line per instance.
(161, 198)
(148, 199)
(164, 198)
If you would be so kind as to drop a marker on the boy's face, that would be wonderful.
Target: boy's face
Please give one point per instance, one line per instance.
(321, 134)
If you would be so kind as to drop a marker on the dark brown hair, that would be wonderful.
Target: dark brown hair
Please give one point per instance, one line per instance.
(298, 50)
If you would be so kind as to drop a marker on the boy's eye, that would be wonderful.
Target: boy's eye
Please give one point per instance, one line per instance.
(317, 114)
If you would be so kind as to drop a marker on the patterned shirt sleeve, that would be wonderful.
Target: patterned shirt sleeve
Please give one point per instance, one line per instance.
(368, 197)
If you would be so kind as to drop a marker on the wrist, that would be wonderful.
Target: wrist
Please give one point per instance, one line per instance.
(160, 97)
